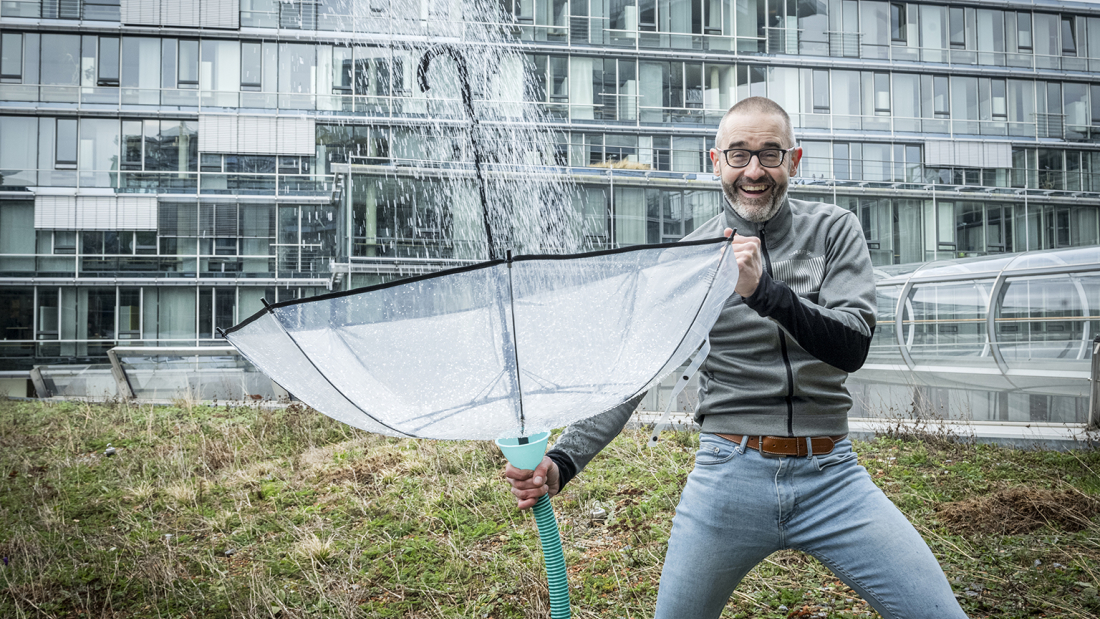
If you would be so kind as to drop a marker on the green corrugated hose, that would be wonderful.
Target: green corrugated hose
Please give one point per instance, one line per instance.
(553, 557)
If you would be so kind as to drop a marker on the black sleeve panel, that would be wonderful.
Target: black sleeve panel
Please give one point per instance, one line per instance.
(566, 469)
(818, 333)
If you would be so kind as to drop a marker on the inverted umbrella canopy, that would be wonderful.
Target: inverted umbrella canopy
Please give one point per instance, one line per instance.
(503, 348)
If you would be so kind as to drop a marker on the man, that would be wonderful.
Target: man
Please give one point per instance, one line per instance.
(774, 468)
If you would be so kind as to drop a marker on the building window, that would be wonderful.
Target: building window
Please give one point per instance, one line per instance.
(11, 57)
(647, 15)
(957, 28)
(297, 66)
(1095, 104)
(64, 242)
(65, 152)
(941, 106)
(999, 100)
(61, 59)
(108, 65)
(188, 67)
(132, 145)
(159, 145)
(220, 72)
(251, 66)
(217, 310)
(882, 94)
(841, 168)
(1023, 31)
(898, 23)
(1069, 36)
(821, 91)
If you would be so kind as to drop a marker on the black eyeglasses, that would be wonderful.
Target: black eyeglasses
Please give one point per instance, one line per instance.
(768, 157)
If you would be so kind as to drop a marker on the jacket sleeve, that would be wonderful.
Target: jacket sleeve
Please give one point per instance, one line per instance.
(837, 329)
(583, 440)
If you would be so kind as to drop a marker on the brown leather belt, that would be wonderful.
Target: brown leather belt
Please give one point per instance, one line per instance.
(787, 445)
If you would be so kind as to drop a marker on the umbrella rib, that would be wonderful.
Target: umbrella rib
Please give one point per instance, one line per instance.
(437, 416)
(515, 345)
(331, 384)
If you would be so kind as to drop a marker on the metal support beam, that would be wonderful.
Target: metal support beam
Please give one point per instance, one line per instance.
(40, 388)
(119, 374)
(1094, 393)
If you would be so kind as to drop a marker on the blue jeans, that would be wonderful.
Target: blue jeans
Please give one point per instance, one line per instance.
(738, 508)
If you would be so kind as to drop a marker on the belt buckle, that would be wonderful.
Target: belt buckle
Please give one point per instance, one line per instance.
(766, 454)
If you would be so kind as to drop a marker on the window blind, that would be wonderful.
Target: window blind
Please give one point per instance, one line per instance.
(257, 135)
(178, 219)
(967, 154)
(185, 13)
(95, 212)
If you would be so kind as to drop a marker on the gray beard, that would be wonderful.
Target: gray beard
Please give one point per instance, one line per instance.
(755, 213)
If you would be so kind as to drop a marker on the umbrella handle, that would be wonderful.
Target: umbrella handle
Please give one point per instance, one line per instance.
(553, 557)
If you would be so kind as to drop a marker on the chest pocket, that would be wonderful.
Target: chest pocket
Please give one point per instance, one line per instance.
(803, 276)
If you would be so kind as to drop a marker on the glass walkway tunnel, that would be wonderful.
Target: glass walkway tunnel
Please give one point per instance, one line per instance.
(998, 338)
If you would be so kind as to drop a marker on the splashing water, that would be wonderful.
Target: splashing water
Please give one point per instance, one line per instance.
(428, 172)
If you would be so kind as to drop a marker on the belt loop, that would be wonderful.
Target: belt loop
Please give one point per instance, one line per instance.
(744, 441)
(809, 447)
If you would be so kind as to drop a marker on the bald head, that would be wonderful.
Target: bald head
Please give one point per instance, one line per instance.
(755, 105)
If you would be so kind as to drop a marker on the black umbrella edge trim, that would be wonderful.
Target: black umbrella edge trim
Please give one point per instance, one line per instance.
(466, 269)
(699, 309)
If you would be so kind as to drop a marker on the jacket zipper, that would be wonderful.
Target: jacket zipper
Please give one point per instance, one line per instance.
(782, 342)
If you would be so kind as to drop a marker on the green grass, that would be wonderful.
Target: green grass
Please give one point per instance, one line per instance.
(245, 512)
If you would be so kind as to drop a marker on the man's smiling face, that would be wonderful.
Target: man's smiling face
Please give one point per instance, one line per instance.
(755, 192)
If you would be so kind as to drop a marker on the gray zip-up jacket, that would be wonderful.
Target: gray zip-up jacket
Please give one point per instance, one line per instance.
(779, 358)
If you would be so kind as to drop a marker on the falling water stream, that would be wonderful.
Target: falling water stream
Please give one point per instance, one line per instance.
(428, 167)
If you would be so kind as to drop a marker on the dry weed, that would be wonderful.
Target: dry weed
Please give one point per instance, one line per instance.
(140, 492)
(183, 493)
(310, 547)
(1020, 510)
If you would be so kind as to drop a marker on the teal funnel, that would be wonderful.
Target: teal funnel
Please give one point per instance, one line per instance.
(526, 453)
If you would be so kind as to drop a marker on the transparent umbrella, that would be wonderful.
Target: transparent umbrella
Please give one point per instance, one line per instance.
(501, 349)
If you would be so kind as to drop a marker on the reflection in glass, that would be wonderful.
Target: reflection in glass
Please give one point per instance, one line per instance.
(947, 320)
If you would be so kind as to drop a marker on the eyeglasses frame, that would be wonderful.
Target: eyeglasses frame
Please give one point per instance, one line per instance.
(755, 153)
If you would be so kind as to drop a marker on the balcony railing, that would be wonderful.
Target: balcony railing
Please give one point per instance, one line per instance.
(174, 182)
(619, 108)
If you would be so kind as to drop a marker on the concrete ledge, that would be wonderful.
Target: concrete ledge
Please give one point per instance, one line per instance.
(1054, 436)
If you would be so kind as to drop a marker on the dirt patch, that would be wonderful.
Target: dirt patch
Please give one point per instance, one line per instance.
(1020, 510)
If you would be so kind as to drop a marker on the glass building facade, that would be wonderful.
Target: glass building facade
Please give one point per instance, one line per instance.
(166, 166)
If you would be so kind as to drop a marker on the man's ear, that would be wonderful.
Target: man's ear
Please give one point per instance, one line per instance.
(714, 161)
(796, 158)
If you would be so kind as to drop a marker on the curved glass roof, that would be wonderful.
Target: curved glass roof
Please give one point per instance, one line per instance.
(988, 266)
(1009, 322)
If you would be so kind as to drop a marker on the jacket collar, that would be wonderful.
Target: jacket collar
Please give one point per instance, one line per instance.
(776, 227)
